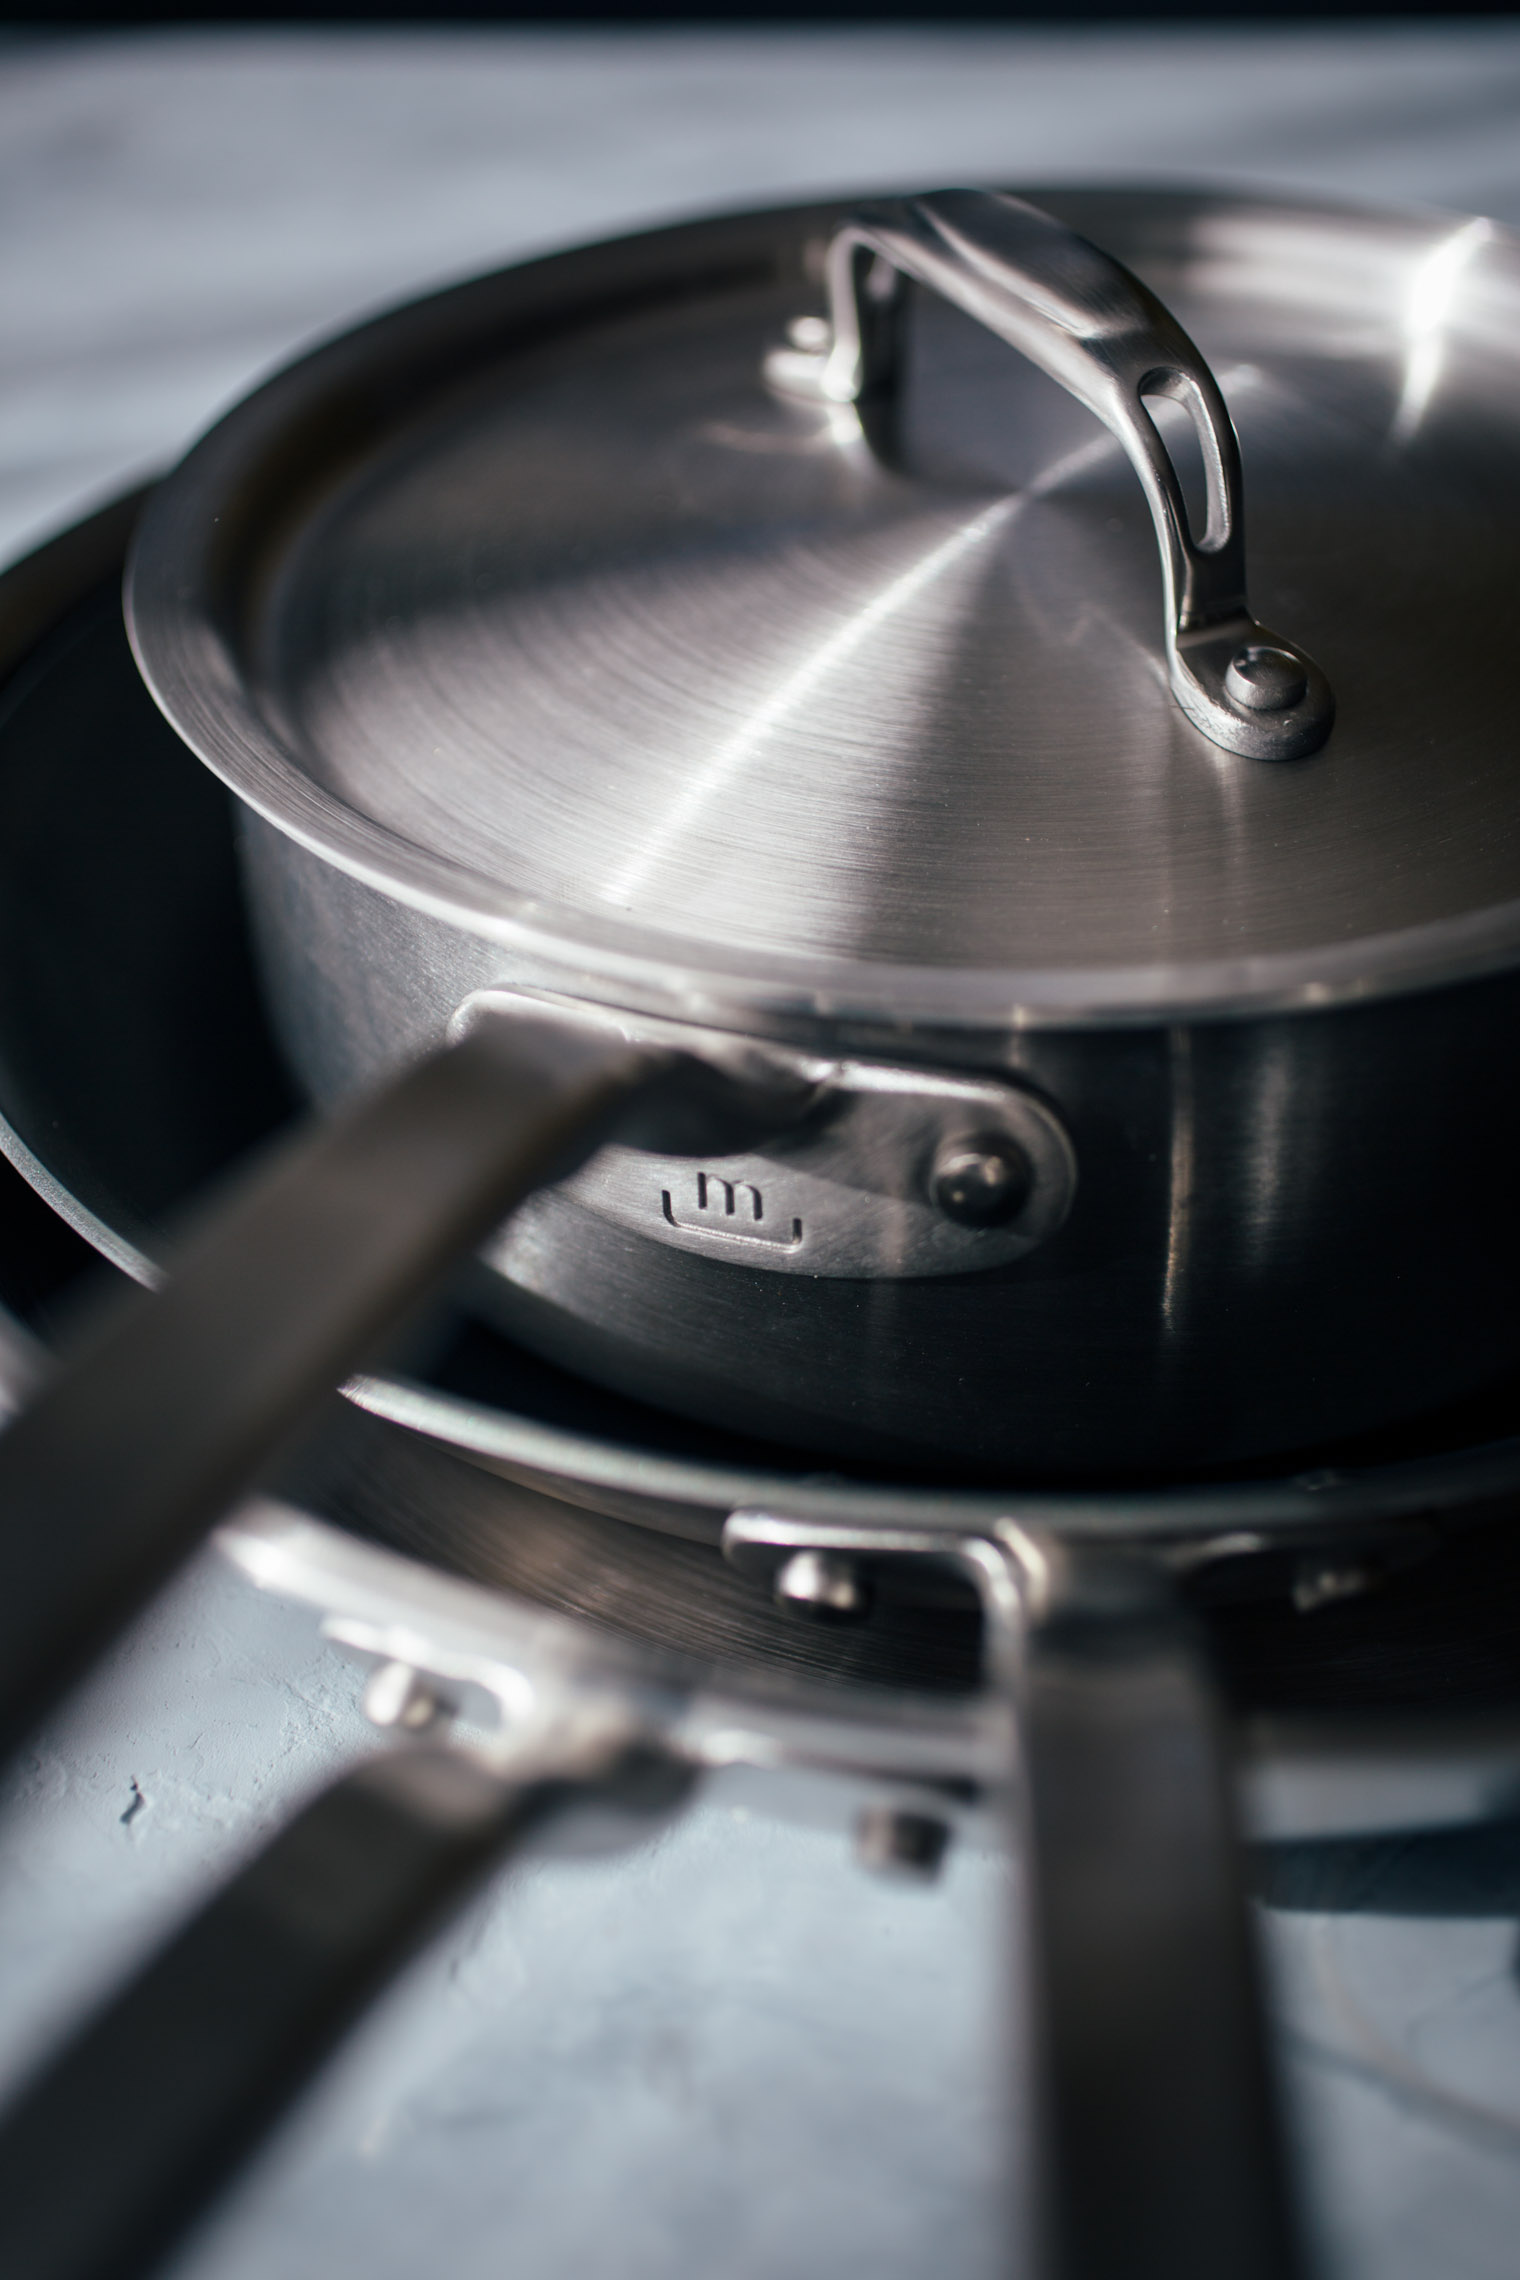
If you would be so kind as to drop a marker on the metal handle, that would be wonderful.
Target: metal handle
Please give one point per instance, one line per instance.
(1084, 319)
(1159, 2152)
(127, 2136)
(1163, 2153)
(168, 1410)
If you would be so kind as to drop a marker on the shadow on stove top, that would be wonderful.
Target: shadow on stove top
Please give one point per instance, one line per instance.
(1471, 1874)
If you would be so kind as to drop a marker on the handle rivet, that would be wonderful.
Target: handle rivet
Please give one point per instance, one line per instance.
(898, 1843)
(823, 1586)
(1264, 679)
(1320, 1583)
(982, 1182)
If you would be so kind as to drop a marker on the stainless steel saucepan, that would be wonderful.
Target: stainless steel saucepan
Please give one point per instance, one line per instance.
(701, 642)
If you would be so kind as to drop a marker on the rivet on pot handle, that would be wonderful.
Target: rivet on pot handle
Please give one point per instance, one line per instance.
(1084, 319)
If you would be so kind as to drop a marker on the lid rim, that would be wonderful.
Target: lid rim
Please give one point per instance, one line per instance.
(773, 984)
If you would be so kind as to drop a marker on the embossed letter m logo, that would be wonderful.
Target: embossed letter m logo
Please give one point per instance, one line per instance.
(733, 1210)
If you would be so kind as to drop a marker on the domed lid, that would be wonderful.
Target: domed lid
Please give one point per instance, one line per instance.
(771, 607)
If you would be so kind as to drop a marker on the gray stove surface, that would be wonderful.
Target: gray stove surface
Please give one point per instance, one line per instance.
(730, 2051)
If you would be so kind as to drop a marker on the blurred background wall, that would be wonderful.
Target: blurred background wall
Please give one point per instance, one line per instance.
(180, 205)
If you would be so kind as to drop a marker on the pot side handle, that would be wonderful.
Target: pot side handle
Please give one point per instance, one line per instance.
(1089, 323)
(1137, 2019)
(174, 1402)
(1161, 2124)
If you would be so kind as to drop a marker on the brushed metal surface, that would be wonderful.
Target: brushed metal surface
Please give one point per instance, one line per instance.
(1286, 1231)
(597, 667)
(533, 603)
(135, 1067)
(1088, 322)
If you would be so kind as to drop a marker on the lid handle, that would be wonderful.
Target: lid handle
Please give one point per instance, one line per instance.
(1083, 318)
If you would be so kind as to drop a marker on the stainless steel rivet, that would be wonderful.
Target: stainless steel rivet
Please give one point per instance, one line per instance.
(981, 1182)
(1264, 679)
(1321, 1584)
(813, 335)
(824, 1586)
(396, 1695)
(898, 1843)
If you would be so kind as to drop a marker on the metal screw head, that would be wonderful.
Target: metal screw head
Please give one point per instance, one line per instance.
(1264, 679)
(823, 1586)
(897, 1843)
(982, 1182)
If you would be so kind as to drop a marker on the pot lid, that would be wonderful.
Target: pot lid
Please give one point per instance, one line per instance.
(714, 605)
